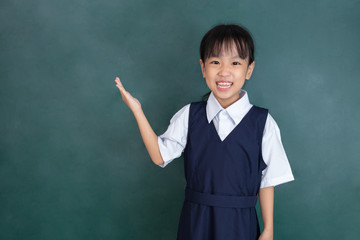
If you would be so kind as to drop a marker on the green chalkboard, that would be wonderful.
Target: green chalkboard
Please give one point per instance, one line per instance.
(72, 161)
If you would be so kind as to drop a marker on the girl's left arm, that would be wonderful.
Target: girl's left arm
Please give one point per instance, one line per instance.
(266, 198)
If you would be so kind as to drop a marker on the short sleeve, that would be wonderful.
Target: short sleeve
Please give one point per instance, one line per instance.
(173, 141)
(278, 169)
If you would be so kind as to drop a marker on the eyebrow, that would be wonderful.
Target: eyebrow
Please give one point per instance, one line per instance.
(233, 57)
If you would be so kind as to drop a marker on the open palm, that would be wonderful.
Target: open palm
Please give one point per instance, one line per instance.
(130, 101)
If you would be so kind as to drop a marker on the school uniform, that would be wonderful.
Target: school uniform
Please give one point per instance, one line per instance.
(229, 154)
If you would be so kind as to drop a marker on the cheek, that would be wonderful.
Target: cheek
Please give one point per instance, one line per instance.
(241, 74)
(210, 83)
(210, 72)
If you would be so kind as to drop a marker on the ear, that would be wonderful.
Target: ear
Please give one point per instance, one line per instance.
(250, 70)
(202, 68)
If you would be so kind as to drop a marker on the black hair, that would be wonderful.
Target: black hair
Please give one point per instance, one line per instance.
(212, 42)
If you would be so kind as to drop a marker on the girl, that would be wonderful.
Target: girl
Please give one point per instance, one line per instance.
(232, 149)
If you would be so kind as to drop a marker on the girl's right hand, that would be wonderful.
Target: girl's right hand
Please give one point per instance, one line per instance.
(130, 101)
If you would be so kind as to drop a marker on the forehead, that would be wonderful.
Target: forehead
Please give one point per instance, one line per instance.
(226, 49)
(230, 54)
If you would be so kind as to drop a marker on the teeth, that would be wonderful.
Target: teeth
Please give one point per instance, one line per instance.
(220, 83)
(224, 85)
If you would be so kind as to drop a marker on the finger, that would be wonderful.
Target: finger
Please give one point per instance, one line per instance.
(119, 82)
(122, 90)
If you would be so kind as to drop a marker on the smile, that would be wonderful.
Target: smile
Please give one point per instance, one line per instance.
(224, 85)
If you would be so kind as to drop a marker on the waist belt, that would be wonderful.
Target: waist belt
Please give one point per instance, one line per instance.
(220, 200)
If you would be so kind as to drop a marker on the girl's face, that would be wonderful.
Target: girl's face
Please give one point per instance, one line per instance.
(225, 75)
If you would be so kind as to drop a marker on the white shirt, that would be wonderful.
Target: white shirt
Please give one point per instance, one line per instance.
(172, 143)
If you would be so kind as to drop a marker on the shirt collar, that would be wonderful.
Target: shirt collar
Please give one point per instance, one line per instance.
(235, 110)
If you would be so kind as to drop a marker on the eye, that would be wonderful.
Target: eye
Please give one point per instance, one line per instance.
(215, 62)
(236, 63)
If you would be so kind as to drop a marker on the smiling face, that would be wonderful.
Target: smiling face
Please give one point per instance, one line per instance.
(226, 74)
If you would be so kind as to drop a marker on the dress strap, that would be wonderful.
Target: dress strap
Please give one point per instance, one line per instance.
(220, 200)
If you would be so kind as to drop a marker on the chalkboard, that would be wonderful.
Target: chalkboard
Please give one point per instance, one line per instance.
(72, 161)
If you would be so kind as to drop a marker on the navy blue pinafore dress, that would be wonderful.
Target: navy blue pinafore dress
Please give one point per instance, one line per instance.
(222, 178)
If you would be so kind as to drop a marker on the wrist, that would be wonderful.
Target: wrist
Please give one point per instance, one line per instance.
(138, 112)
(268, 230)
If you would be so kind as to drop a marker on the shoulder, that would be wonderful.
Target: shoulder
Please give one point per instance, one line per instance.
(271, 127)
(197, 106)
(259, 115)
(181, 114)
(271, 123)
(261, 110)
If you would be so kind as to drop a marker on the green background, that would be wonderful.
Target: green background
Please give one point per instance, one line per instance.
(72, 161)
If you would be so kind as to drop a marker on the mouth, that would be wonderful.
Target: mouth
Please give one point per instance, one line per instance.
(223, 85)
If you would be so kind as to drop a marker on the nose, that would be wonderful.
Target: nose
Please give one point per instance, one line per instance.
(224, 70)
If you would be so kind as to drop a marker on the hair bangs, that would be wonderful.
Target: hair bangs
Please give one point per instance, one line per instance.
(222, 38)
(226, 45)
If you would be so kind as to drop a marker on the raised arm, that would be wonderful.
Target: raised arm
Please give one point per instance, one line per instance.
(148, 135)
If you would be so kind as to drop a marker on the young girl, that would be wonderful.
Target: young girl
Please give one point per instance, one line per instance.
(232, 149)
